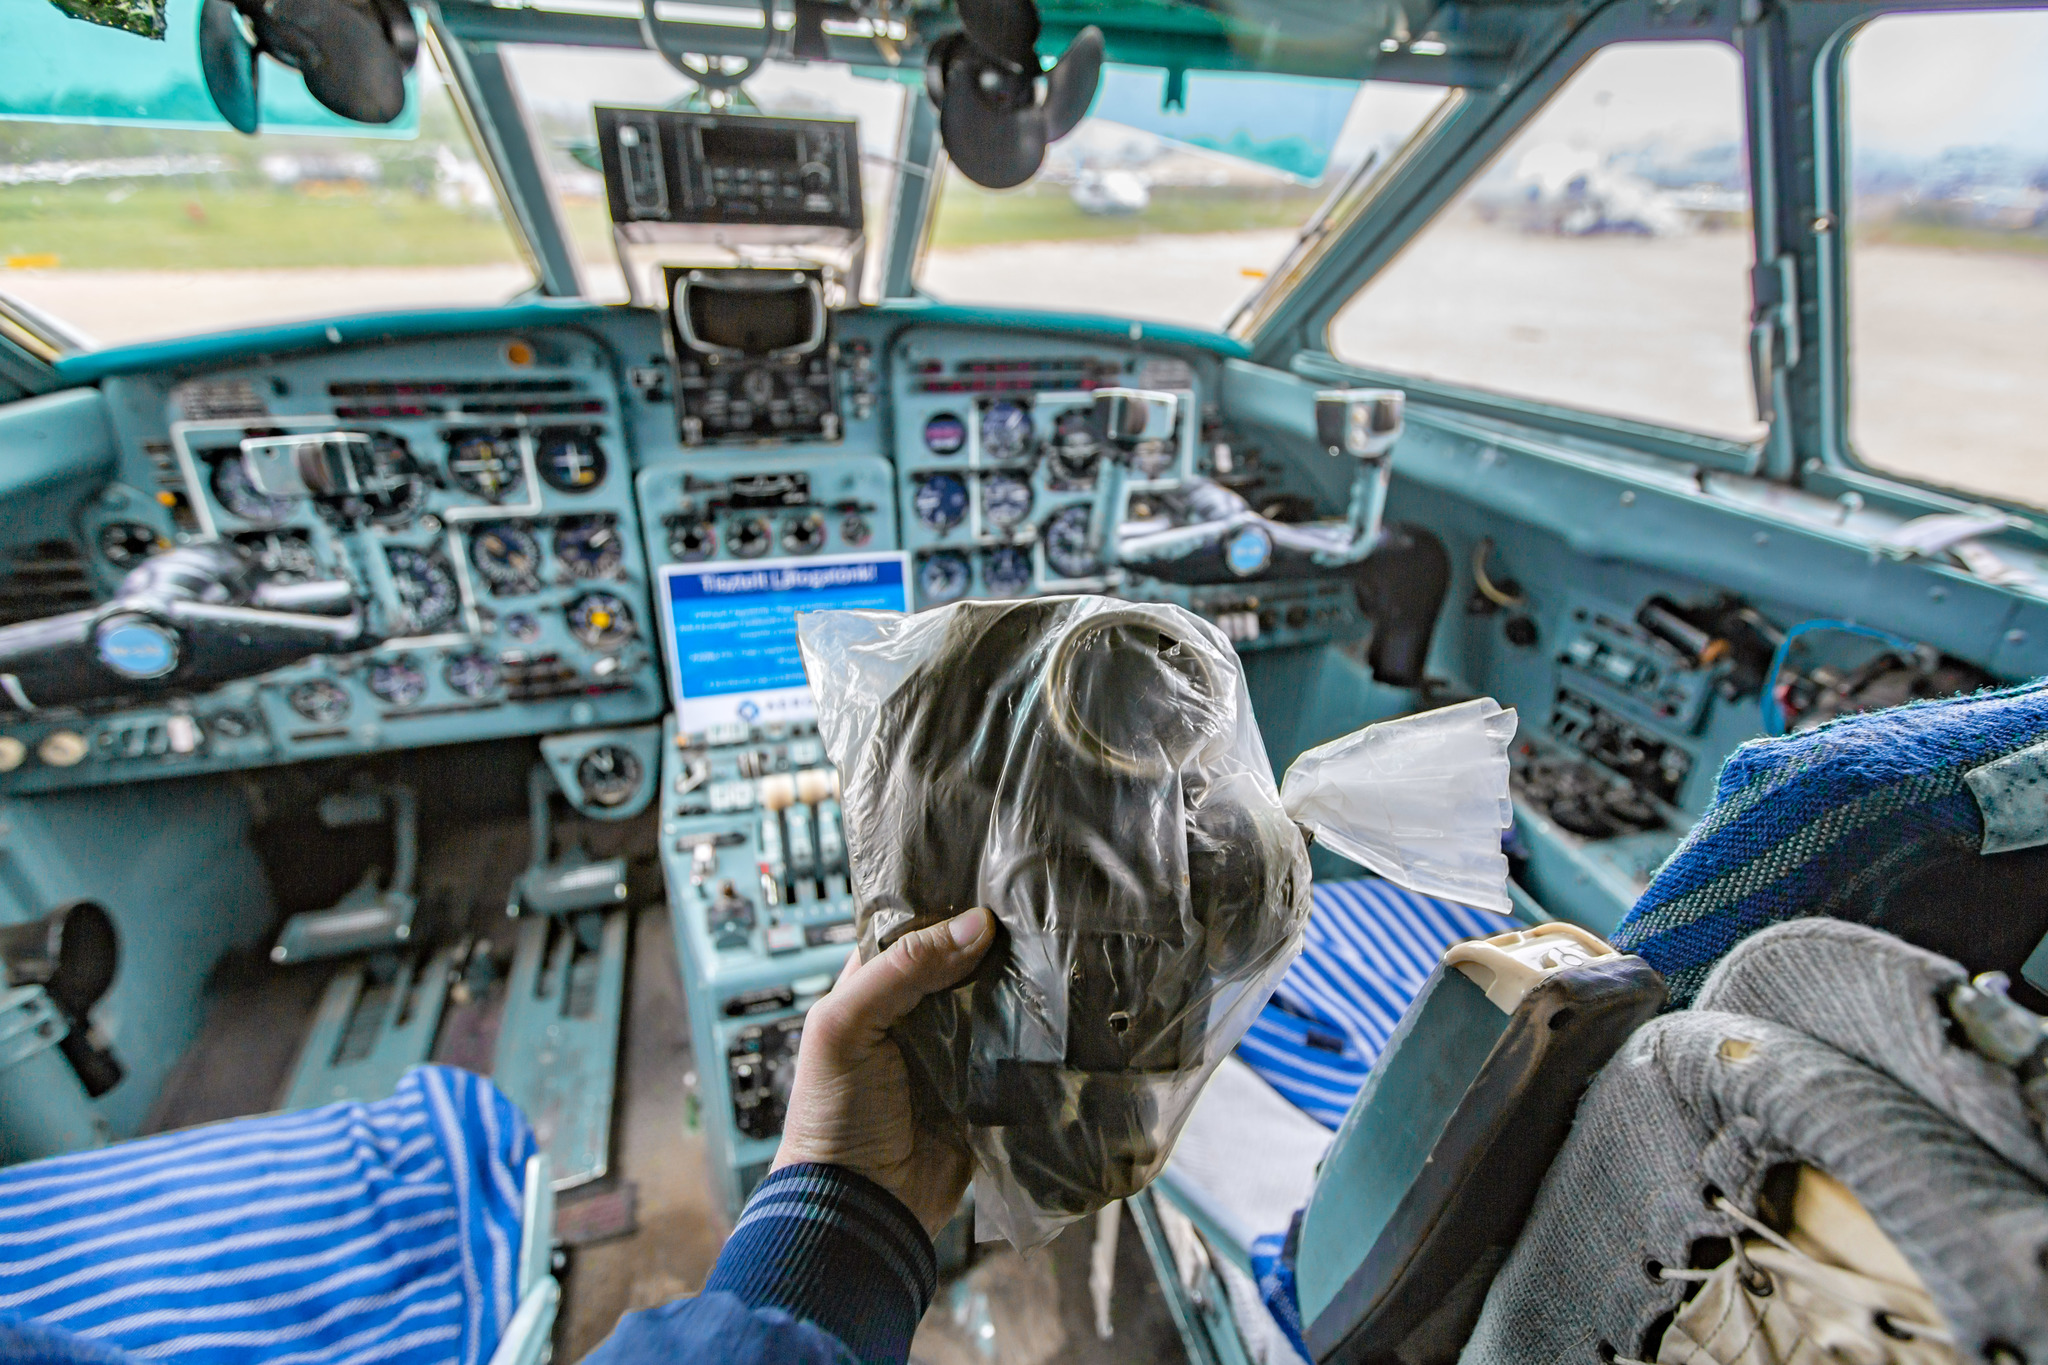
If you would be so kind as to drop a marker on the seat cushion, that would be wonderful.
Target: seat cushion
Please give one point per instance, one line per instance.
(355, 1232)
(1370, 945)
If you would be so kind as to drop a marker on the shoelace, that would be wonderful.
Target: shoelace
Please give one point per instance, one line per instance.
(1758, 1281)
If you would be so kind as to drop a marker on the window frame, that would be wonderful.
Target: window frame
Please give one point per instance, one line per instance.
(1826, 29)
(1295, 334)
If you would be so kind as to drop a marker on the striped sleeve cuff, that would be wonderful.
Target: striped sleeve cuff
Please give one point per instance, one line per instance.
(833, 1248)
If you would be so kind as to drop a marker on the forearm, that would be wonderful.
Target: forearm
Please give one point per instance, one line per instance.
(824, 1266)
(833, 1248)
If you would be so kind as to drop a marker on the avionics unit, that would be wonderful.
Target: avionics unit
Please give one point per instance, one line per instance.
(752, 841)
(723, 190)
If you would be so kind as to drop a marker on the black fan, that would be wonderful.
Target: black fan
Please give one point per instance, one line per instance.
(993, 116)
(353, 53)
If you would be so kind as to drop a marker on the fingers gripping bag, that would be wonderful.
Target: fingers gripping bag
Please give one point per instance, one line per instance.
(1090, 770)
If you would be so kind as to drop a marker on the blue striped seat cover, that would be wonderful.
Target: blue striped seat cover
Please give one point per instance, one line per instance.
(1370, 946)
(383, 1232)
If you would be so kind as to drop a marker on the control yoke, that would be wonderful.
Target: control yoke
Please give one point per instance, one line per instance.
(201, 615)
(1209, 533)
(1197, 531)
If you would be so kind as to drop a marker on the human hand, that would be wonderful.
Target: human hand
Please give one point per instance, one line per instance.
(850, 1103)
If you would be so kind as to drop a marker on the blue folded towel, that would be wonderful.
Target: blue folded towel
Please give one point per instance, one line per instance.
(1801, 823)
(1370, 945)
(383, 1232)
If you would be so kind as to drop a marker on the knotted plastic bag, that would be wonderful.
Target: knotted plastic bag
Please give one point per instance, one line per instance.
(1090, 770)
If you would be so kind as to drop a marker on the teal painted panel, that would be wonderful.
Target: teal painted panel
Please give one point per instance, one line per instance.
(363, 329)
(56, 451)
(62, 70)
(173, 865)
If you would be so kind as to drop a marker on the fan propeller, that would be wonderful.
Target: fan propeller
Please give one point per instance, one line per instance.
(353, 53)
(994, 117)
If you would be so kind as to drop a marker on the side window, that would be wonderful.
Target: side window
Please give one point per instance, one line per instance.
(1948, 249)
(1601, 260)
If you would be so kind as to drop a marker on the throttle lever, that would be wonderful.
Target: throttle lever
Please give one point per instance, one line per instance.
(182, 622)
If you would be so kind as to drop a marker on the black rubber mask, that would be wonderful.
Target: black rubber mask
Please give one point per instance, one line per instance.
(1089, 770)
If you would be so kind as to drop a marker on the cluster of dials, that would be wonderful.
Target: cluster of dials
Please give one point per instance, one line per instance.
(508, 557)
(484, 462)
(752, 534)
(399, 681)
(1015, 459)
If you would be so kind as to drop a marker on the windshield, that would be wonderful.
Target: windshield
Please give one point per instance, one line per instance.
(129, 232)
(559, 86)
(1168, 214)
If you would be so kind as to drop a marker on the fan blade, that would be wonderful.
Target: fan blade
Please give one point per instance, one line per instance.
(942, 52)
(1003, 28)
(348, 63)
(399, 27)
(228, 63)
(1070, 85)
(995, 145)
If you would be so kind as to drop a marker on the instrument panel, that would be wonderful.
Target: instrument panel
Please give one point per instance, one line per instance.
(545, 484)
(511, 545)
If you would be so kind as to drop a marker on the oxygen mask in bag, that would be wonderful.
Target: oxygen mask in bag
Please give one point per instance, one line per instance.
(1090, 770)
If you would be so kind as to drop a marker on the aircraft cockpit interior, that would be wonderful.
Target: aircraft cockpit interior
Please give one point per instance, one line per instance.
(1447, 599)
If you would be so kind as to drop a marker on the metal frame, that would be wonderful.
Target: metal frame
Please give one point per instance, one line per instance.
(1818, 33)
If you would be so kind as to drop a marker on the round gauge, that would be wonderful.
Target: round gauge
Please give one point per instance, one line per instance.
(1066, 544)
(1075, 450)
(854, 529)
(940, 501)
(1153, 458)
(1006, 431)
(942, 578)
(398, 681)
(749, 538)
(1005, 500)
(945, 434)
(757, 386)
(471, 675)
(570, 460)
(590, 547)
(128, 543)
(523, 626)
(426, 589)
(486, 463)
(1006, 571)
(803, 533)
(601, 620)
(691, 539)
(507, 555)
(320, 701)
(401, 503)
(234, 490)
(609, 775)
(286, 558)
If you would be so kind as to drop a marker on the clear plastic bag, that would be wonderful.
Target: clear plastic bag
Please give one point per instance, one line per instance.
(1090, 770)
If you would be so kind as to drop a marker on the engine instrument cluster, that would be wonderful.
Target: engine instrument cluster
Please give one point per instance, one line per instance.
(510, 545)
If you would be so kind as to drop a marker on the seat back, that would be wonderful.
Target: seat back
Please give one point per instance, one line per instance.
(1432, 1174)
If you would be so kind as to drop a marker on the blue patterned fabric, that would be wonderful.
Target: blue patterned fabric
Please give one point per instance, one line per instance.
(1370, 946)
(1273, 1270)
(354, 1233)
(1801, 823)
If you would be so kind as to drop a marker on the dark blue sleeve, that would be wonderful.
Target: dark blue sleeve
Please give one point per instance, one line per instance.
(717, 1329)
(823, 1266)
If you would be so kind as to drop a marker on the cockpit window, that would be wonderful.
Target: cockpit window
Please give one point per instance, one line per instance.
(126, 233)
(1947, 249)
(559, 86)
(1601, 261)
(1163, 209)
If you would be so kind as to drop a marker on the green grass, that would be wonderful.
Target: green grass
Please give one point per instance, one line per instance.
(1909, 232)
(161, 227)
(972, 216)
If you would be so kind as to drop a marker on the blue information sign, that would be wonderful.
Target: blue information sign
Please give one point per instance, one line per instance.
(730, 629)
